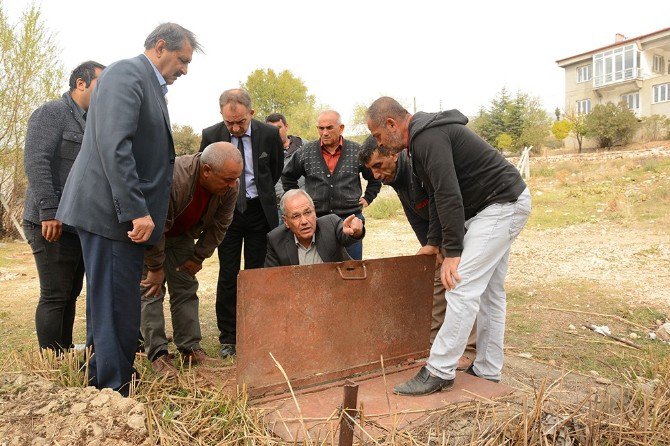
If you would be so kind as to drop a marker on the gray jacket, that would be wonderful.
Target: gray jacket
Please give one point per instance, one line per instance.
(124, 168)
(53, 140)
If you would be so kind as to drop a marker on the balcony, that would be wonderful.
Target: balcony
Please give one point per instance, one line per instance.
(617, 77)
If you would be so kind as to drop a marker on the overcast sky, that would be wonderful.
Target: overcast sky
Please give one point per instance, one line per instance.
(459, 54)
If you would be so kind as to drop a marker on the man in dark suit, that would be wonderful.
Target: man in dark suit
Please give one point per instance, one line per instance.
(306, 240)
(256, 208)
(117, 194)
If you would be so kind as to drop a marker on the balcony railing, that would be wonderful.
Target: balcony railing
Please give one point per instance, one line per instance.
(617, 77)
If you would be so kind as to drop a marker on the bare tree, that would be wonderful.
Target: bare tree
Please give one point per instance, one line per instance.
(30, 74)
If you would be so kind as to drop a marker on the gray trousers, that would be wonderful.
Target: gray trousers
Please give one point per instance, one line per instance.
(183, 289)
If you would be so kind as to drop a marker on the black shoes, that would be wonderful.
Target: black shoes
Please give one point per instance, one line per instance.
(227, 351)
(471, 371)
(423, 384)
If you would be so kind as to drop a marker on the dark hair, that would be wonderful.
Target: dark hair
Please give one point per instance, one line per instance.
(85, 72)
(385, 107)
(173, 35)
(368, 148)
(276, 117)
(235, 96)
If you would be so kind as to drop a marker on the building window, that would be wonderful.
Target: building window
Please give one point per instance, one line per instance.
(632, 100)
(661, 93)
(615, 65)
(584, 106)
(659, 64)
(584, 73)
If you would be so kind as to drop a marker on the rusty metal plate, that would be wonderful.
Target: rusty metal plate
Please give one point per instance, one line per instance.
(329, 321)
(381, 410)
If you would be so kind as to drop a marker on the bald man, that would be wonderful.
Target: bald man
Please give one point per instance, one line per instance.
(202, 201)
(332, 171)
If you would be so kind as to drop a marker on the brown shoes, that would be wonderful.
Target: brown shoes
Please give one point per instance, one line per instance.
(199, 357)
(162, 366)
(463, 363)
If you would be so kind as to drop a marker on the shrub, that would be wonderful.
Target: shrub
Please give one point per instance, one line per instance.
(611, 124)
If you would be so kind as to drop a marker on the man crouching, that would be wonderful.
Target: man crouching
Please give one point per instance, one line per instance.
(202, 200)
(306, 240)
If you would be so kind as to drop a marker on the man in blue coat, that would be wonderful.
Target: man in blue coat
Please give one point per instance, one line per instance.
(117, 194)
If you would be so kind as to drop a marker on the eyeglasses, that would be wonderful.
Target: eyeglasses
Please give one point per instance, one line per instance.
(295, 218)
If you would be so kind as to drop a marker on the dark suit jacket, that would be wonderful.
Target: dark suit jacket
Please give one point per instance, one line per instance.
(124, 168)
(329, 238)
(268, 155)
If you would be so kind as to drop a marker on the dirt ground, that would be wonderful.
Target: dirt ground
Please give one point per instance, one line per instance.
(633, 260)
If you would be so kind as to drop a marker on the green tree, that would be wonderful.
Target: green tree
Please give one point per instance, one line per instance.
(561, 129)
(611, 124)
(578, 128)
(504, 141)
(186, 141)
(656, 127)
(284, 93)
(520, 117)
(30, 74)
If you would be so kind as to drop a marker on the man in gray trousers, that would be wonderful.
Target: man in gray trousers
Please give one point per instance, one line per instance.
(117, 194)
(53, 140)
(202, 202)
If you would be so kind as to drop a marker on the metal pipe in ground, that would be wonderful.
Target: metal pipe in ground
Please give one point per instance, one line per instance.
(348, 408)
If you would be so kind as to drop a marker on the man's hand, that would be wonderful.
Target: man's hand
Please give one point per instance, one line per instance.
(142, 229)
(153, 283)
(363, 202)
(353, 226)
(52, 230)
(190, 267)
(449, 273)
(429, 250)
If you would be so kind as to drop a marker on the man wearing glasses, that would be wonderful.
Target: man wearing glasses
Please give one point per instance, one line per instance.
(306, 240)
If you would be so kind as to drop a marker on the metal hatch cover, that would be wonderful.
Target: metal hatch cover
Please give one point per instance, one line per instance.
(329, 321)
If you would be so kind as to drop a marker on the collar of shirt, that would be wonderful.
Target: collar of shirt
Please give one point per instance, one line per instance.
(339, 145)
(159, 76)
(80, 110)
(299, 245)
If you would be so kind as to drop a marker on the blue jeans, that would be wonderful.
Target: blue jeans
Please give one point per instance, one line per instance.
(355, 251)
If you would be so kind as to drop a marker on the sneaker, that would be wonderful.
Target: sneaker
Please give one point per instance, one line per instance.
(162, 366)
(471, 371)
(424, 383)
(227, 351)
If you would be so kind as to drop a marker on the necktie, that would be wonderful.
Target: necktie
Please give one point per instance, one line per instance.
(241, 204)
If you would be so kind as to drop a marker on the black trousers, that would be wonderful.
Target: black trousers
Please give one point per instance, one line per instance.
(113, 273)
(60, 268)
(251, 227)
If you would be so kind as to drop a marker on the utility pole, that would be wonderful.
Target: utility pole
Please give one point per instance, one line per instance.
(414, 105)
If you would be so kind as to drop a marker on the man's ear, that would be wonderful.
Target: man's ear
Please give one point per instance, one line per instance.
(390, 123)
(80, 84)
(283, 218)
(252, 111)
(159, 47)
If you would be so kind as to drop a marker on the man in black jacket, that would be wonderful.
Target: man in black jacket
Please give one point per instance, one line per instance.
(395, 170)
(306, 240)
(332, 174)
(53, 140)
(472, 188)
(256, 209)
(291, 144)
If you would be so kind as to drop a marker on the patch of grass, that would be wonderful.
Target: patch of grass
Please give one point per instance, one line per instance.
(546, 334)
(383, 208)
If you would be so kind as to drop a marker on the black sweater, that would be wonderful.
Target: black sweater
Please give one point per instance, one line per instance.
(461, 172)
(337, 193)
